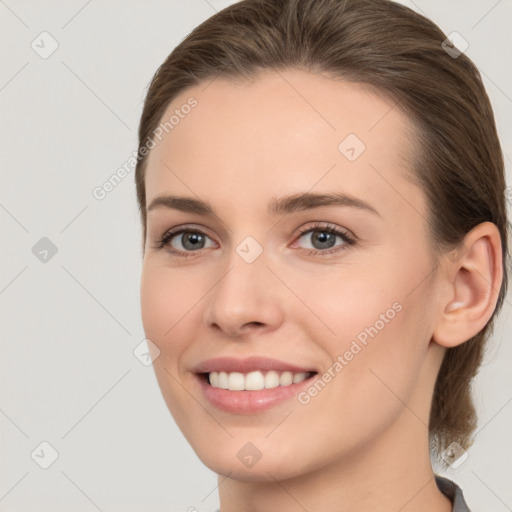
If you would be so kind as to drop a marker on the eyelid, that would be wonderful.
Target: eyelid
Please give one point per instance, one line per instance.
(327, 226)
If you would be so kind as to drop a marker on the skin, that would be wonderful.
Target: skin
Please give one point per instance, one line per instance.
(362, 442)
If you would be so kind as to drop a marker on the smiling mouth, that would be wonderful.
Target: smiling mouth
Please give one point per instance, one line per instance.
(255, 380)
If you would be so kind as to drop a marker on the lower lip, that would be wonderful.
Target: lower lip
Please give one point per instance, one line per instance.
(250, 402)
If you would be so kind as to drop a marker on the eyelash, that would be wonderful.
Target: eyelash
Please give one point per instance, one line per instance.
(167, 237)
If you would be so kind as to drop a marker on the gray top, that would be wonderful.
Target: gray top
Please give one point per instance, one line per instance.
(449, 489)
(454, 492)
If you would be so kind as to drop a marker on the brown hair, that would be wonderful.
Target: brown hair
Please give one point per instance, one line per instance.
(458, 160)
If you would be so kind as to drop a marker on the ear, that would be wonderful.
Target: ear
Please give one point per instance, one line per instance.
(473, 277)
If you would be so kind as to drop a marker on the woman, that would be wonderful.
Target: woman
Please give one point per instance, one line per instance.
(321, 189)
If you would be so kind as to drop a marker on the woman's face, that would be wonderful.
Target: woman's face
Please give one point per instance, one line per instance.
(268, 287)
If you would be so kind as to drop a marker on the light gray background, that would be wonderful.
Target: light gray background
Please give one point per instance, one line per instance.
(70, 325)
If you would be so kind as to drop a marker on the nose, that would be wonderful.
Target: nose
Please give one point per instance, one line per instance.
(246, 298)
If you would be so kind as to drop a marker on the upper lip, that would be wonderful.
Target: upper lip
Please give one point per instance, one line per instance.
(231, 364)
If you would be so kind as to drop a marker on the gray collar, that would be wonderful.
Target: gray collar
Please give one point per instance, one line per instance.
(453, 492)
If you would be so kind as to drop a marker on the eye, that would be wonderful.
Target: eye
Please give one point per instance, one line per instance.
(183, 241)
(322, 237)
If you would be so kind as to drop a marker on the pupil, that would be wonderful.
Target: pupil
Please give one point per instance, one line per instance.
(323, 238)
(194, 239)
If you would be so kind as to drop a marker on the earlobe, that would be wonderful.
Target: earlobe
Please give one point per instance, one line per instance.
(474, 280)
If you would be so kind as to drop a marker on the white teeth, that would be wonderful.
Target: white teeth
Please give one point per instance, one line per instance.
(223, 380)
(254, 381)
(236, 381)
(271, 379)
(286, 379)
(214, 379)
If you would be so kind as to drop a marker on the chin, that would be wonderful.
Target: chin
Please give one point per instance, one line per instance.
(260, 472)
(247, 464)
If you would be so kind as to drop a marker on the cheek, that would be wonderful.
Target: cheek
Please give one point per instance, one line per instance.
(345, 302)
(167, 299)
(372, 327)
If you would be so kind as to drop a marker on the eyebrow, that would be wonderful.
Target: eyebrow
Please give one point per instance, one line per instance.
(277, 206)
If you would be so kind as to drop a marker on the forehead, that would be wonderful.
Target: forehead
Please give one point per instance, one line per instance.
(287, 131)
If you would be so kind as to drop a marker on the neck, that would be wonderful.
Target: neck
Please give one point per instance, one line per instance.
(392, 473)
